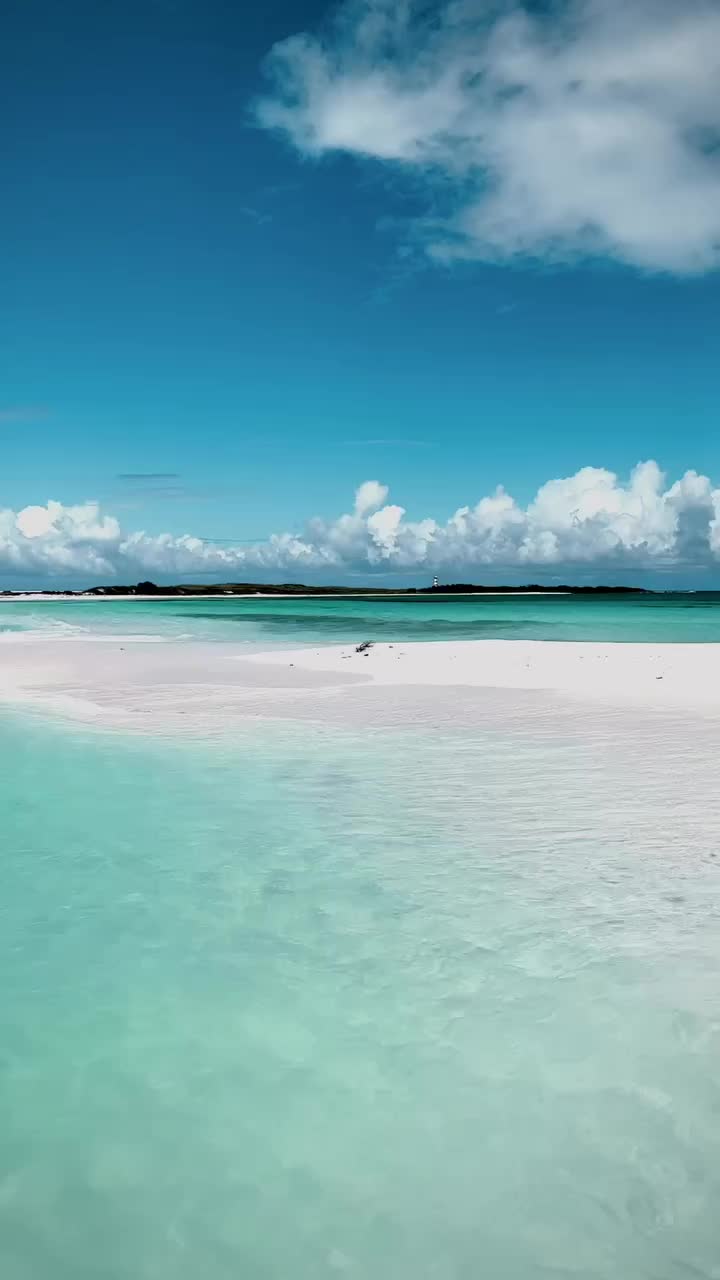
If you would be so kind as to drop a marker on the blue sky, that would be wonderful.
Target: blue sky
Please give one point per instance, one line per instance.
(249, 323)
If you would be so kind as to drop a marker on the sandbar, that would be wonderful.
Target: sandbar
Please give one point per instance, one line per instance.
(155, 684)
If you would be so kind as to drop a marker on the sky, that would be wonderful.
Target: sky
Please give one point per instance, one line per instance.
(361, 293)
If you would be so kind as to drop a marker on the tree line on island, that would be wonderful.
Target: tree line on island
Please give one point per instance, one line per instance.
(295, 588)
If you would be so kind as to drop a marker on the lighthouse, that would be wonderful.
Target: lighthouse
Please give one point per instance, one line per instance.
(435, 582)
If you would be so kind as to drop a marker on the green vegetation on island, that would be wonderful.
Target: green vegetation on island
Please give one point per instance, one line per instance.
(301, 589)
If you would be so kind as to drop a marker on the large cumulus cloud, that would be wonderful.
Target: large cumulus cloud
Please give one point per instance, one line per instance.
(590, 522)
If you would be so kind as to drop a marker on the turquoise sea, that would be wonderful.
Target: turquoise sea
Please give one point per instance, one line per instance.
(391, 1006)
(296, 621)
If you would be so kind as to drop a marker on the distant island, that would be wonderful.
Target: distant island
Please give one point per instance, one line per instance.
(294, 588)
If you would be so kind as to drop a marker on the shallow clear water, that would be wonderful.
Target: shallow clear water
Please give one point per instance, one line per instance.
(270, 622)
(393, 1007)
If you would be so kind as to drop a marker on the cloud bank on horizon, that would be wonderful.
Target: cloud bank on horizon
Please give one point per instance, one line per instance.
(590, 129)
(584, 523)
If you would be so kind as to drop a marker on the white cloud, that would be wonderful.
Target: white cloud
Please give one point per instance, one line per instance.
(590, 129)
(369, 496)
(589, 523)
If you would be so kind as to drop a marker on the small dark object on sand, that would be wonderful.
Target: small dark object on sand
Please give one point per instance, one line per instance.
(366, 644)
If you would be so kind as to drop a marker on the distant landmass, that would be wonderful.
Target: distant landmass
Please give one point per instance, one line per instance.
(294, 588)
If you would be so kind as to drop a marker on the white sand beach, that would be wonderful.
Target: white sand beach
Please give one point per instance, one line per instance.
(652, 674)
(149, 683)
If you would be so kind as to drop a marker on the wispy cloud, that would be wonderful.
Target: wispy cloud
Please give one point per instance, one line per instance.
(581, 128)
(147, 477)
(234, 542)
(23, 413)
(138, 488)
(388, 443)
(255, 215)
(181, 493)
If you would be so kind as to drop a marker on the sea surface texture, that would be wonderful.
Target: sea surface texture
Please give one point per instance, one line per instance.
(389, 1006)
(267, 623)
